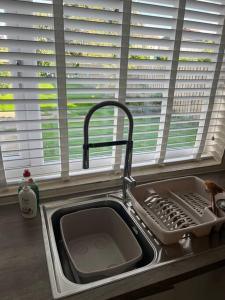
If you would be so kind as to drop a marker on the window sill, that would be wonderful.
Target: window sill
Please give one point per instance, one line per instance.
(92, 183)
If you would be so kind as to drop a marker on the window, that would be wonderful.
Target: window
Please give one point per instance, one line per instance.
(163, 59)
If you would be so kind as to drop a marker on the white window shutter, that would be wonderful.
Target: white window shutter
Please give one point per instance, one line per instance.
(163, 59)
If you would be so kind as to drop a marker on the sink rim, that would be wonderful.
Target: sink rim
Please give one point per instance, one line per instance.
(60, 285)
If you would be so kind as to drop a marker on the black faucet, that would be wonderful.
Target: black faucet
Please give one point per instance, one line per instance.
(127, 179)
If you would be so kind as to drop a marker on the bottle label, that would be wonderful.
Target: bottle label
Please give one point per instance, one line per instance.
(26, 209)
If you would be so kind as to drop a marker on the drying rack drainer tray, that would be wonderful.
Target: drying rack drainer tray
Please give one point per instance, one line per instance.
(174, 208)
(172, 214)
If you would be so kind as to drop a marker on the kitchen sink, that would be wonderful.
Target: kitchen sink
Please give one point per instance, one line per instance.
(64, 279)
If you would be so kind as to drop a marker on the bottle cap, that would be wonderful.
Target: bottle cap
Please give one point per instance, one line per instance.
(26, 173)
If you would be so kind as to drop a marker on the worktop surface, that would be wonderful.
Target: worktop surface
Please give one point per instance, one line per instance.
(23, 268)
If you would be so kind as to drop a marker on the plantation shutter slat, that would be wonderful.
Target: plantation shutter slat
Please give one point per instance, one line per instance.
(208, 6)
(110, 4)
(28, 7)
(27, 20)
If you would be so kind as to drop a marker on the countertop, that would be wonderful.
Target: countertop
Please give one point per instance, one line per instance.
(23, 268)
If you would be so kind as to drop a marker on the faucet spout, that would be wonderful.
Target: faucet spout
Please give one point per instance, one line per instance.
(127, 179)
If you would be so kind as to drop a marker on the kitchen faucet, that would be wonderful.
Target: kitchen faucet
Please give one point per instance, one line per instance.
(127, 179)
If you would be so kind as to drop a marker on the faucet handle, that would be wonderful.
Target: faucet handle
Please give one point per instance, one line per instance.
(131, 181)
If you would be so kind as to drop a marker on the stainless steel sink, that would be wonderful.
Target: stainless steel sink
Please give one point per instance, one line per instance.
(63, 281)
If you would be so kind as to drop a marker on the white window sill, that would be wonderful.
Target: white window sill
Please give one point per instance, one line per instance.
(55, 188)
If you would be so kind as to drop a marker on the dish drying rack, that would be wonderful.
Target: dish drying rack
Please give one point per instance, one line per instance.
(174, 208)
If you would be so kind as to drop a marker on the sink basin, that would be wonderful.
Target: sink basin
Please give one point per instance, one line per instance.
(133, 248)
(98, 243)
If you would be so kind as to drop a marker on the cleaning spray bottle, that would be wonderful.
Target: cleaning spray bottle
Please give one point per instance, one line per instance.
(28, 201)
